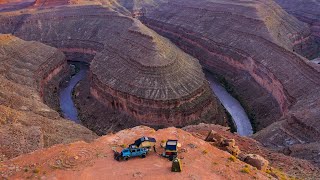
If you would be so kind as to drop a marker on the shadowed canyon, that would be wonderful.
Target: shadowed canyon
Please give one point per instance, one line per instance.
(80, 77)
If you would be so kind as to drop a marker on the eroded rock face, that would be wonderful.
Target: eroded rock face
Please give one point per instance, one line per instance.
(306, 11)
(242, 54)
(26, 124)
(251, 44)
(134, 70)
(155, 83)
(257, 161)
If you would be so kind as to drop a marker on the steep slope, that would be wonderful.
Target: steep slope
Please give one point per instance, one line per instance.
(306, 11)
(95, 160)
(26, 123)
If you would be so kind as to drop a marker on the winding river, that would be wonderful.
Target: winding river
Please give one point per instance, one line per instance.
(238, 114)
(66, 103)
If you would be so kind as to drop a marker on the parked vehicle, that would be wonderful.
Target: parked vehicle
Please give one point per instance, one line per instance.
(130, 152)
(171, 149)
(145, 142)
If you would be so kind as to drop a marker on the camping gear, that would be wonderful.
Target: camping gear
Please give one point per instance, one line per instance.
(176, 165)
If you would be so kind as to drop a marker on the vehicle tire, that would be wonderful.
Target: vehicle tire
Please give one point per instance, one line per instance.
(118, 158)
(126, 158)
(143, 156)
(171, 158)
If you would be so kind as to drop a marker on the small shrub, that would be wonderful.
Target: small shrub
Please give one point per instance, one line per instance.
(205, 152)
(36, 170)
(232, 158)
(163, 141)
(123, 145)
(245, 170)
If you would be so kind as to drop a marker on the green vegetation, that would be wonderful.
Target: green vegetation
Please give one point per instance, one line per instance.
(123, 145)
(232, 158)
(245, 170)
(279, 174)
(36, 170)
(205, 152)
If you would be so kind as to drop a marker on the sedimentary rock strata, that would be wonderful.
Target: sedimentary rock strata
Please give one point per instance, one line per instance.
(250, 43)
(26, 122)
(254, 45)
(239, 43)
(134, 69)
(307, 11)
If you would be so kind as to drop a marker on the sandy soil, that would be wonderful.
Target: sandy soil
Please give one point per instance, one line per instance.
(95, 161)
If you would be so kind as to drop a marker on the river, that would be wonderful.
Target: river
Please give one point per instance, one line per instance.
(232, 105)
(238, 114)
(66, 103)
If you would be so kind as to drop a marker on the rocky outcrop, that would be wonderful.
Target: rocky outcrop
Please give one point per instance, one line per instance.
(257, 161)
(134, 70)
(27, 124)
(295, 167)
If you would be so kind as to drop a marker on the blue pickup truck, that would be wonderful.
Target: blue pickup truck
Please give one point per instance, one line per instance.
(132, 151)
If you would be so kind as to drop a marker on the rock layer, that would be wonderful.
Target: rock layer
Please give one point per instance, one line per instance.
(26, 123)
(306, 11)
(134, 70)
(251, 44)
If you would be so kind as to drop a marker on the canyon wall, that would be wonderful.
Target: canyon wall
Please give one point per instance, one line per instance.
(306, 11)
(26, 123)
(134, 70)
(251, 44)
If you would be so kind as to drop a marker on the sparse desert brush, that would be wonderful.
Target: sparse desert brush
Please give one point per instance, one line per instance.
(123, 145)
(8, 115)
(278, 174)
(36, 170)
(232, 158)
(245, 170)
(205, 151)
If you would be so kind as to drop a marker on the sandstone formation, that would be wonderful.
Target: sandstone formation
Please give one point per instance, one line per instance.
(134, 70)
(257, 161)
(306, 11)
(94, 160)
(251, 44)
(26, 124)
(254, 45)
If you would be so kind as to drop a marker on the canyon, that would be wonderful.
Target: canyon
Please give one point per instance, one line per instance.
(27, 123)
(146, 67)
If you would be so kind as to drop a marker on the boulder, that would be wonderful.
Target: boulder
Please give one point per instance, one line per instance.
(229, 142)
(257, 161)
(234, 150)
